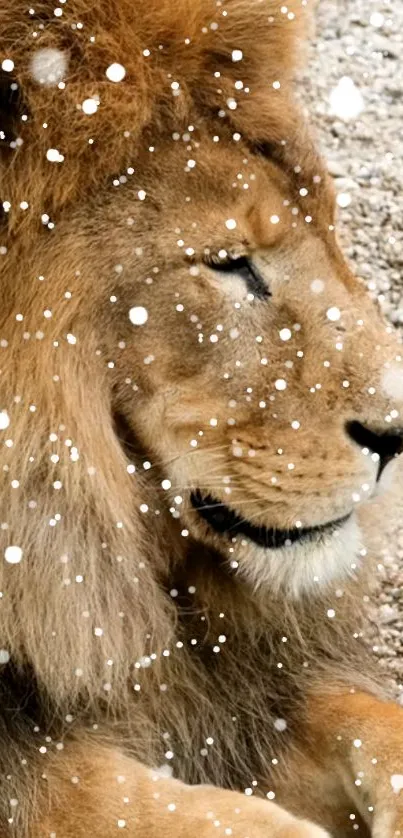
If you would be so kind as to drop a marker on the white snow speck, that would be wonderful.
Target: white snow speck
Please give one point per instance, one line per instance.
(115, 72)
(280, 724)
(230, 223)
(166, 484)
(280, 384)
(4, 420)
(71, 339)
(138, 315)
(396, 782)
(343, 199)
(333, 313)
(48, 66)
(7, 65)
(346, 100)
(54, 156)
(4, 656)
(237, 55)
(274, 219)
(285, 334)
(90, 106)
(317, 286)
(377, 19)
(13, 554)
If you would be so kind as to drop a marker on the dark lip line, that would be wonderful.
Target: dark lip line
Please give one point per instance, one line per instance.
(226, 521)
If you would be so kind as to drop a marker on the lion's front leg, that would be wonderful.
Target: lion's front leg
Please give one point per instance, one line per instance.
(360, 737)
(98, 792)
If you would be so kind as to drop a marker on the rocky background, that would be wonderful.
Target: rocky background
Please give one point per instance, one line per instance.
(354, 90)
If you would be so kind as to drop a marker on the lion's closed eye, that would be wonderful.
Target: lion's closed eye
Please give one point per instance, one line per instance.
(243, 267)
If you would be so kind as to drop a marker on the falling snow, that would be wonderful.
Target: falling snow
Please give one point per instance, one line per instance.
(343, 199)
(90, 106)
(237, 55)
(230, 224)
(4, 420)
(115, 72)
(280, 384)
(317, 286)
(49, 66)
(54, 156)
(333, 313)
(377, 19)
(7, 65)
(346, 100)
(13, 554)
(138, 315)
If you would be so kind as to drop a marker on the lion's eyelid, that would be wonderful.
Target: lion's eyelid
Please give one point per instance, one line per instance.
(244, 267)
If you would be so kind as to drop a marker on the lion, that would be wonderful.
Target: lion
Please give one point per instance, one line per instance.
(196, 397)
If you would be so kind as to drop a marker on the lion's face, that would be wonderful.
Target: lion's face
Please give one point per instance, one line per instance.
(253, 369)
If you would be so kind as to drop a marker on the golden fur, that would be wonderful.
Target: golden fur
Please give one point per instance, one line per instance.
(134, 630)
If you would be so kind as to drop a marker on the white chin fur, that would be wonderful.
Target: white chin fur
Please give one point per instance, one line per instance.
(306, 567)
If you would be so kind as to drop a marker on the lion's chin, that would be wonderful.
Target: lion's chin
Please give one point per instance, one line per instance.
(289, 562)
(304, 567)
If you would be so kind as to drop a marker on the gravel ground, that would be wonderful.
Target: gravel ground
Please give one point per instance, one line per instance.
(363, 40)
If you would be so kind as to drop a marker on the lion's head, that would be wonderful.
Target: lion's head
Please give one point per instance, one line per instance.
(186, 355)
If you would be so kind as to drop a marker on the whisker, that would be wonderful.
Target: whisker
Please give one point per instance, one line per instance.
(193, 451)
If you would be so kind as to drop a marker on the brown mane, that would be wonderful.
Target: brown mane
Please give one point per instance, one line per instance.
(144, 101)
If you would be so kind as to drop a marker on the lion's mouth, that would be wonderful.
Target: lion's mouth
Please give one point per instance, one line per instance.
(226, 521)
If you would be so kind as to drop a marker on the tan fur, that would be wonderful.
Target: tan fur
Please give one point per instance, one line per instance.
(151, 805)
(115, 616)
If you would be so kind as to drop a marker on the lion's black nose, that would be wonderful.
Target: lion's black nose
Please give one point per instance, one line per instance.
(385, 443)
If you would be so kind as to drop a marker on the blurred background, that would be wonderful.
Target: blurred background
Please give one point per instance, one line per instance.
(354, 88)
